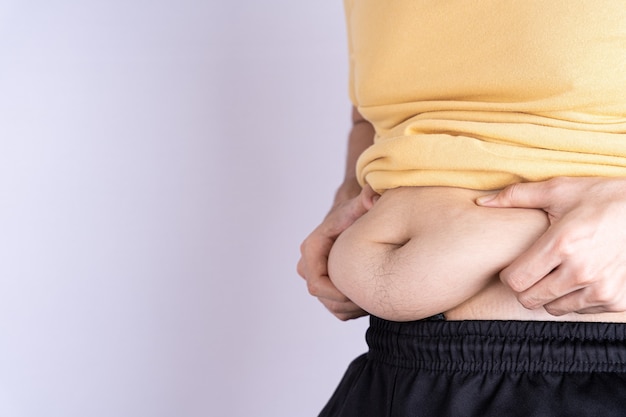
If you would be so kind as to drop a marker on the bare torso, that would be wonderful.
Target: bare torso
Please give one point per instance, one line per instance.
(426, 250)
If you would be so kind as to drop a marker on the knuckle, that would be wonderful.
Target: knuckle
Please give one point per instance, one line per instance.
(584, 277)
(618, 306)
(583, 281)
(566, 244)
(343, 316)
(345, 313)
(603, 295)
(514, 280)
(528, 301)
(554, 310)
(313, 288)
(553, 186)
(300, 268)
(509, 194)
(304, 246)
(555, 183)
(336, 309)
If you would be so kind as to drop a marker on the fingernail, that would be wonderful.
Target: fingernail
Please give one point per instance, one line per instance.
(486, 199)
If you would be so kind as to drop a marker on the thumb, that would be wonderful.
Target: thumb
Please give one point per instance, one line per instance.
(342, 217)
(521, 195)
(368, 197)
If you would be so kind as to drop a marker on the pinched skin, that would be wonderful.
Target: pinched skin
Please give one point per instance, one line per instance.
(426, 250)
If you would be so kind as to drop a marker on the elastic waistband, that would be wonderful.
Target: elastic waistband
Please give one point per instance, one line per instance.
(499, 346)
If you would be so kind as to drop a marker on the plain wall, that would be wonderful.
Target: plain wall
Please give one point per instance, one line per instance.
(160, 162)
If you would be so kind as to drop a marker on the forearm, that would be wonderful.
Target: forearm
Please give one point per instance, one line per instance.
(360, 138)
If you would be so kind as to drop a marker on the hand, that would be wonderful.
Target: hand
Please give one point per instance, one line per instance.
(313, 265)
(579, 263)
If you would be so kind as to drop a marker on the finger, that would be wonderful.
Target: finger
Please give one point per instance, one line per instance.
(535, 263)
(598, 310)
(368, 197)
(323, 287)
(316, 247)
(342, 217)
(343, 311)
(574, 302)
(578, 302)
(318, 282)
(596, 298)
(300, 268)
(362, 204)
(314, 255)
(521, 195)
(548, 290)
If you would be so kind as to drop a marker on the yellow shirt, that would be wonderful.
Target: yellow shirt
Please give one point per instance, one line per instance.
(482, 94)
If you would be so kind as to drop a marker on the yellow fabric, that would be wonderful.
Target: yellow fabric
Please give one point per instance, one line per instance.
(482, 94)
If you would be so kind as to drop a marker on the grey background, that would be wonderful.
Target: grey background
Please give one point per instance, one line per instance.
(160, 162)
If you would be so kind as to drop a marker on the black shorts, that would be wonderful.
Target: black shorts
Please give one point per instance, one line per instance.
(486, 368)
